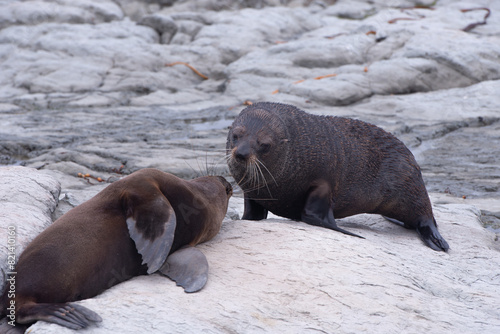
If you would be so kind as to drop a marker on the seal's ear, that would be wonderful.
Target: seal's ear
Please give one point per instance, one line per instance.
(151, 224)
(188, 267)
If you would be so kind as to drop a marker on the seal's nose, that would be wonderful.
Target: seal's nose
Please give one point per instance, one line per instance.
(242, 152)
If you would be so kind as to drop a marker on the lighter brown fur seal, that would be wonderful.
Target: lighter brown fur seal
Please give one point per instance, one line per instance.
(145, 222)
(318, 168)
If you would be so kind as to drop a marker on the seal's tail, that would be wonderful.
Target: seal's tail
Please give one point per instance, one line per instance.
(69, 315)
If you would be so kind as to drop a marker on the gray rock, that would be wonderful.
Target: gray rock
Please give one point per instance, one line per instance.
(339, 90)
(283, 276)
(164, 25)
(84, 88)
(27, 200)
(180, 39)
(188, 29)
(416, 63)
(63, 11)
(355, 10)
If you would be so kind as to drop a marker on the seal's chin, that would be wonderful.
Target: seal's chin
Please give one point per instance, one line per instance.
(250, 173)
(238, 169)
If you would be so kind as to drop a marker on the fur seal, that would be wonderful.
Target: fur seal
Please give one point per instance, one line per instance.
(317, 168)
(126, 230)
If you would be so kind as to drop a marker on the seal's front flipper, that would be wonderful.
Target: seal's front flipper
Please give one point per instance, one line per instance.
(253, 211)
(69, 315)
(151, 224)
(318, 209)
(430, 235)
(188, 267)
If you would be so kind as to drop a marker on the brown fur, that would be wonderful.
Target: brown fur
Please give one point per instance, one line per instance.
(89, 249)
(312, 164)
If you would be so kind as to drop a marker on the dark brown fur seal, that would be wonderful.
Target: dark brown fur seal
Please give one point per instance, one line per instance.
(318, 168)
(126, 230)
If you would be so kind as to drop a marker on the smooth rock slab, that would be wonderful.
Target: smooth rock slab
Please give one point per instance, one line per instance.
(27, 199)
(288, 277)
(70, 11)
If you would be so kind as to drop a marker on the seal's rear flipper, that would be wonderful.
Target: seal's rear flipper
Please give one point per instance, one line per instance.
(188, 267)
(69, 315)
(430, 235)
(318, 211)
(427, 229)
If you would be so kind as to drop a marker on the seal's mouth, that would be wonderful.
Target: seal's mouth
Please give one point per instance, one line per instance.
(249, 172)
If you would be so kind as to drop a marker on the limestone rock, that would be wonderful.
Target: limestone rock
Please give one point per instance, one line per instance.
(27, 200)
(283, 276)
(62, 11)
(164, 25)
(85, 87)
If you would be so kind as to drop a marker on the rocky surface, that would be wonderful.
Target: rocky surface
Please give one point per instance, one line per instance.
(280, 276)
(103, 88)
(27, 200)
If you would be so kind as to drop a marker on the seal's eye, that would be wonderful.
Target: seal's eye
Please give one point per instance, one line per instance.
(264, 147)
(238, 132)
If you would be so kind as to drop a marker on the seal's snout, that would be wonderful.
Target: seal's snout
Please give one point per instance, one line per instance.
(227, 186)
(242, 153)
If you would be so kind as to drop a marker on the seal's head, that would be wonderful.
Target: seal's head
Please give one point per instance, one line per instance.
(216, 193)
(223, 188)
(257, 147)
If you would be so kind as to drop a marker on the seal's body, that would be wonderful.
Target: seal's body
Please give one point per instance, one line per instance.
(128, 229)
(318, 168)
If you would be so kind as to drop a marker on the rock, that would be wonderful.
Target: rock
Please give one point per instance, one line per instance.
(434, 64)
(355, 10)
(111, 86)
(188, 29)
(63, 11)
(284, 276)
(164, 25)
(27, 200)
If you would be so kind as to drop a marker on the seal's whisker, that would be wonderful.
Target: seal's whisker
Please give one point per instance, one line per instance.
(253, 177)
(253, 174)
(212, 169)
(258, 175)
(250, 189)
(262, 164)
(197, 173)
(226, 157)
(206, 164)
(240, 182)
(199, 167)
(262, 175)
(211, 166)
(262, 199)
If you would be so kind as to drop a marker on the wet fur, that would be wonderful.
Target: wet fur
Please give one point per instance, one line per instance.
(319, 163)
